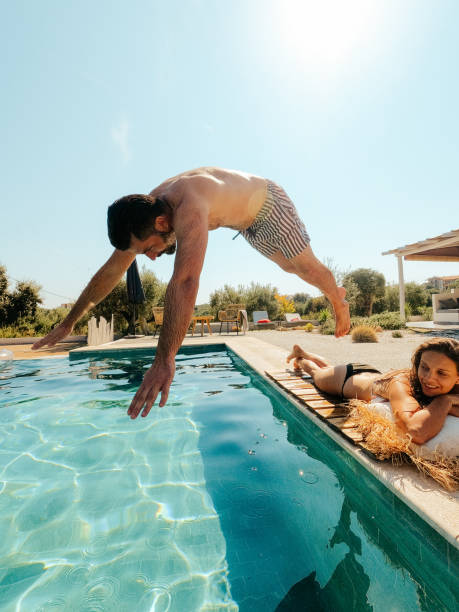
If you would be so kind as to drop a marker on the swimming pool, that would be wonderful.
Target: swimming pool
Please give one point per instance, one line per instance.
(225, 499)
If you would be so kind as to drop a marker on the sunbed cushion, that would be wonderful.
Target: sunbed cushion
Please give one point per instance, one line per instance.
(260, 316)
(445, 443)
(449, 303)
(292, 317)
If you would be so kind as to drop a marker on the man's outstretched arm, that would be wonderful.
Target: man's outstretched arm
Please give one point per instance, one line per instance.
(103, 281)
(192, 236)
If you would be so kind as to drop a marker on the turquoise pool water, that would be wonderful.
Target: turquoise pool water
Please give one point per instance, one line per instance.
(225, 499)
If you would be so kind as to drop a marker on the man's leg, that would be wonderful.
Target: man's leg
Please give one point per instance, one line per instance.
(310, 269)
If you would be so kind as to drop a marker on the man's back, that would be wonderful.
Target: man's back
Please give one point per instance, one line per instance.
(233, 198)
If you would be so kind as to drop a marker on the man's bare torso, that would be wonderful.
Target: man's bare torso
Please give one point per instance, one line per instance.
(232, 198)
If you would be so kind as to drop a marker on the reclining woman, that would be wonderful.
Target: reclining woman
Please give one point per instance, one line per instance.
(420, 397)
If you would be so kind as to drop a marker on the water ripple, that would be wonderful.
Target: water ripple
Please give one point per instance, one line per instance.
(53, 605)
(78, 574)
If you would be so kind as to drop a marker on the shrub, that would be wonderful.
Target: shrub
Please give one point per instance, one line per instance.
(397, 334)
(328, 327)
(356, 321)
(427, 313)
(308, 327)
(315, 305)
(364, 333)
(384, 320)
(387, 320)
(324, 315)
(285, 304)
(10, 331)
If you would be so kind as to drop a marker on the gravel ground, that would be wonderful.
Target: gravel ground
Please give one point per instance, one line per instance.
(388, 353)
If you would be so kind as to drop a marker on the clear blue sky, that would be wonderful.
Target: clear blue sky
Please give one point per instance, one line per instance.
(351, 106)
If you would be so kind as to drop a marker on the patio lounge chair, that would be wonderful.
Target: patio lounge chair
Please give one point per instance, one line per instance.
(261, 319)
(158, 314)
(293, 319)
(232, 315)
(446, 307)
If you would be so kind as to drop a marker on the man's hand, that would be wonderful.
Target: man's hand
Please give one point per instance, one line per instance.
(158, 378)
(58, 333)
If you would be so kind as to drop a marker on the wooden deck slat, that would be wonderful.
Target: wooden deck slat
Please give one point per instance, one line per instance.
(330, 410)
(331, 413)
(320, 403)
(295, 385)
(308, 392)
(352, 435)
(344, 422)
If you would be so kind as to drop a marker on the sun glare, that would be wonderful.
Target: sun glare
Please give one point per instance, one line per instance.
(326, 33)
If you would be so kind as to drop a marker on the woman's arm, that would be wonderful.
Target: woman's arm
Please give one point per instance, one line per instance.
(421, 424)
(454, 410)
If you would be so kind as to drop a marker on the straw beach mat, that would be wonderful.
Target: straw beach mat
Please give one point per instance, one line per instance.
(374, 433)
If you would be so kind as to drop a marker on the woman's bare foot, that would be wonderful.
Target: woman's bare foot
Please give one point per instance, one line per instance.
(298, 354)
(342, 318)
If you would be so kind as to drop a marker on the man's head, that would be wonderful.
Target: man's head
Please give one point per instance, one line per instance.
(137, 218)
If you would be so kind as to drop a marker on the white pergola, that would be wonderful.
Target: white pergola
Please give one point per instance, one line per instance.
(441, 248)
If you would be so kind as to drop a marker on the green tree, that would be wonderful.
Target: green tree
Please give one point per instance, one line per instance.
(24, 300)
(117, 302)
(370, 285)
(316, 304)
(352, 294)
(261, 297)
(301, 301)
(255, 297)
(284, 304)
(301, 298)
(227, 295)
(417, 297)
(392, 298)
(4, 296)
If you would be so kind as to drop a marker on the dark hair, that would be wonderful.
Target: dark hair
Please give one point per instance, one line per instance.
(447, 346)
(134, 214)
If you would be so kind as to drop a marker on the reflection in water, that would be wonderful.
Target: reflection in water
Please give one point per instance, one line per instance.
(348, 585)
(133, 370)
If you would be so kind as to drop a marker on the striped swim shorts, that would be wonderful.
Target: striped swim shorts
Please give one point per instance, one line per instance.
(277, 226)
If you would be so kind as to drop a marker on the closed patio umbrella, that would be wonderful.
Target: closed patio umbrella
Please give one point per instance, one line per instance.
(134, 288)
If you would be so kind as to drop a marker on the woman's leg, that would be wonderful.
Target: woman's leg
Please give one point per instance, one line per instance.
(298, 353)
(331, 378)
(326, 378)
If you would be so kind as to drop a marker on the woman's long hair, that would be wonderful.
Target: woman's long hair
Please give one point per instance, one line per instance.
(446, 346)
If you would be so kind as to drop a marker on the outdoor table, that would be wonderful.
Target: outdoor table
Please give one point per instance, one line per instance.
(205, 319)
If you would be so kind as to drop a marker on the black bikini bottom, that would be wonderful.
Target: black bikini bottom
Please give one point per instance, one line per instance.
(357, 368)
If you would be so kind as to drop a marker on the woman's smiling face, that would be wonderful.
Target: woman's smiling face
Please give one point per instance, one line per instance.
(437, 373)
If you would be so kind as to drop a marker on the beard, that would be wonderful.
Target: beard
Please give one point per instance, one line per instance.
(170, 243)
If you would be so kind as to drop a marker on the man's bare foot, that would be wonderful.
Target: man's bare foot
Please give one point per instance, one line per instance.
(342, 318)
(298, 354)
